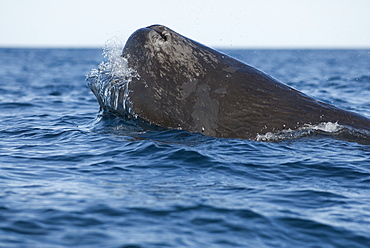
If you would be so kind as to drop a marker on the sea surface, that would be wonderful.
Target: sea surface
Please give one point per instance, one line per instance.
(70, 177)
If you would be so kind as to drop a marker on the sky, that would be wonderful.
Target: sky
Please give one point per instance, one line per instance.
(221, 24)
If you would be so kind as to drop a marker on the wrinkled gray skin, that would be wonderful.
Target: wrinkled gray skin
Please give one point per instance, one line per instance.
(186, 85)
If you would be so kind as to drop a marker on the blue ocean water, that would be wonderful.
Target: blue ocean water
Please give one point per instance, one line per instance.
(69, 178)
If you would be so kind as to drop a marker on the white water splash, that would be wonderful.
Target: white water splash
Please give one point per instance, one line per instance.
(306, 130)
(109, 82)
(115, 64)
(328, 127)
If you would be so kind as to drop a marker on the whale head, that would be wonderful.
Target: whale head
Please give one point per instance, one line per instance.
(173, 72)
(157, 51)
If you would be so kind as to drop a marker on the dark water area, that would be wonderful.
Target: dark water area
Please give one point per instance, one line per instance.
(71, 179)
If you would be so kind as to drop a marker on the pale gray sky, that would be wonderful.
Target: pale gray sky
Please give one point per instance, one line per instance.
(228, 24)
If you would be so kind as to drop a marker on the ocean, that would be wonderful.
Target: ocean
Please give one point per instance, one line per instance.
(70, 177)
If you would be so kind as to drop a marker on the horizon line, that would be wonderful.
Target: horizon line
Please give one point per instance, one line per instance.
(7, 46)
